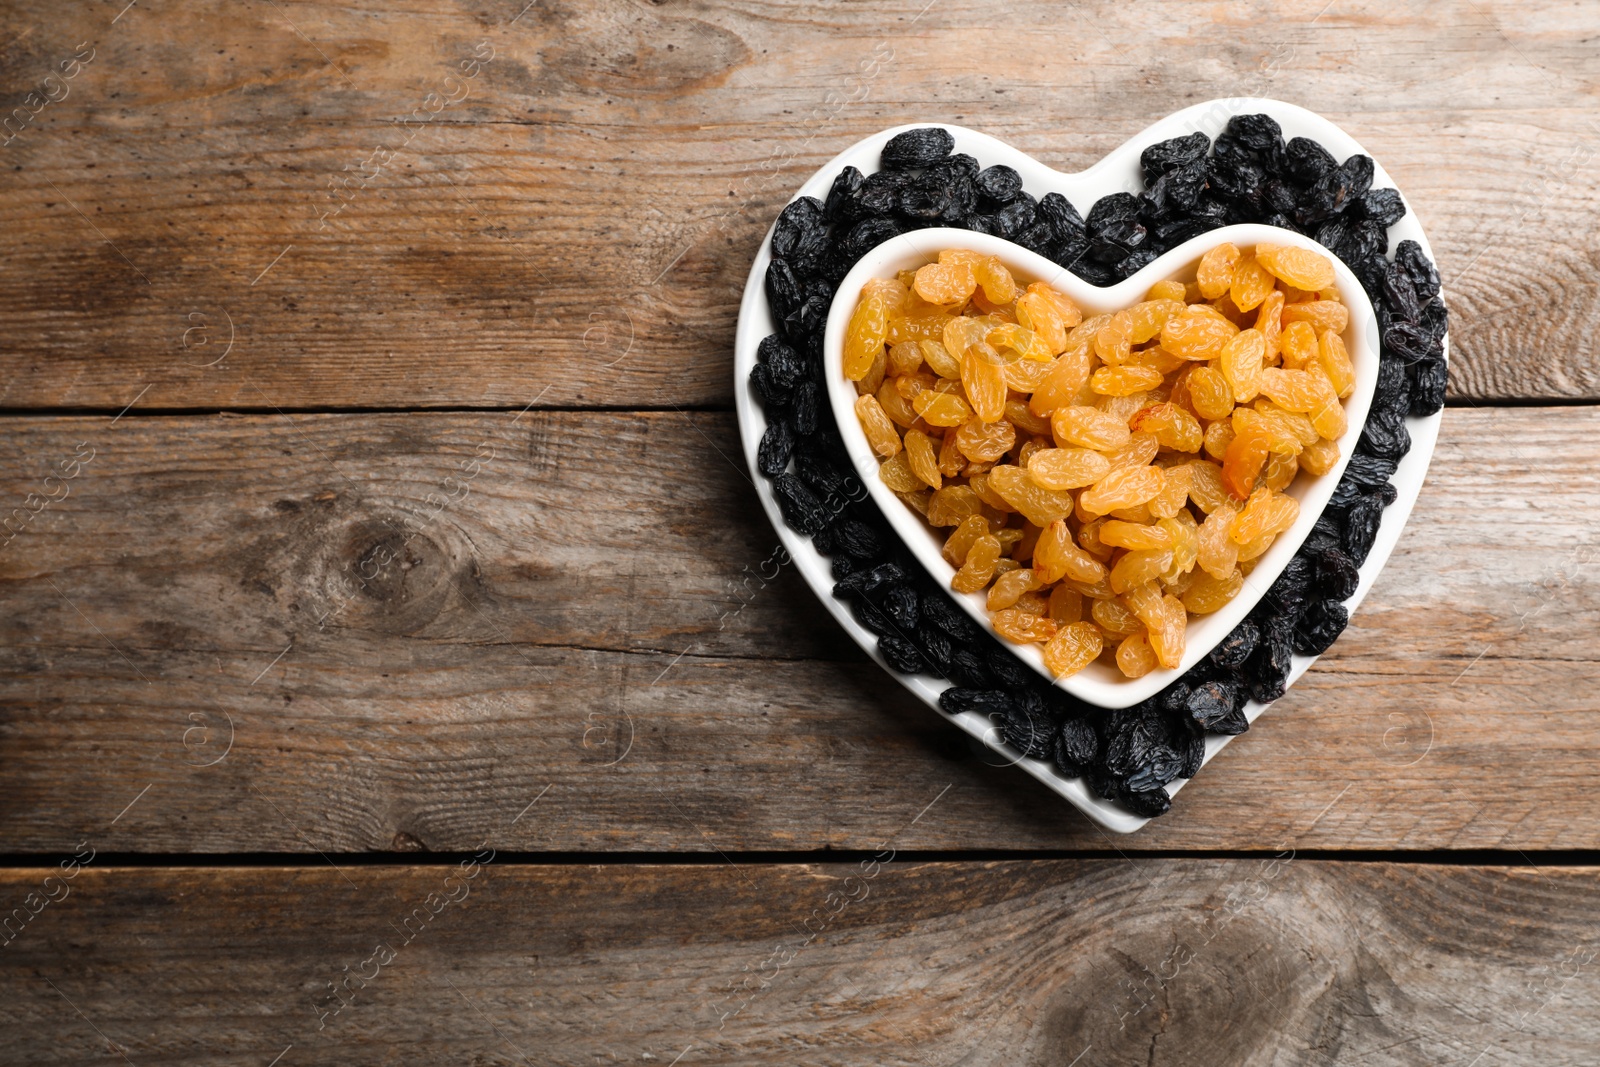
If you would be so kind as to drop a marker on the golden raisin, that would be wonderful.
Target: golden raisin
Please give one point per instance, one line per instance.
(1123, 488)
(1300, 267)
(864, 337)
(1218, 552)
(875, 424)
(1067, 468)
(1196, 336)
(1065, 605)
(1210, 593)
(979, 566)
(1298, 344)
(1088, 428)
(1021, 627)
(1039, 505)
(959, 543)
(1009, 587)
(1172, 427)
(1074, 646)
(952, 505)
(985, 442)
(1210, 393)
(1251, 283)
(1215, 273)
(922, 458)
(1135, 657)
(1266, 512)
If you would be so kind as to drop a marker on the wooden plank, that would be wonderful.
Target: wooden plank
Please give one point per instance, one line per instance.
(590, 616)
(1165, 962)
(576, 229)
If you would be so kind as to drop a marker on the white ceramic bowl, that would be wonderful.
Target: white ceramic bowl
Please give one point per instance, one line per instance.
(1099, 683)
(1117, 172)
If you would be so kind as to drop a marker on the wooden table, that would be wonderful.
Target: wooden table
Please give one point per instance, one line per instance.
(442, 295)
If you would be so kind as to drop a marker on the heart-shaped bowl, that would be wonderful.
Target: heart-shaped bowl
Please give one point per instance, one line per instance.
(1099, 683)
(1119, 171)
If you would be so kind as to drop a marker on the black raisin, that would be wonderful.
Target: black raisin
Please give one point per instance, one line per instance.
(859, 540)
(869, 616)
(1385, 435)
(1076, 746)
(1231, 724)
(1408, 342)
(1383, 206)
(998, 183)
(1287, 594)
(967, 669)
(801, 234)
(1016, 216)
(1428, 380)
(866, 581)
(958, 700)
(1259, 133)
(1210, 702)
(899, 602)
(1319, 627)
(1147, 803)
(800, 508)
(777, 445)
(921, 147)
(936, 649)
(1008, 669)
(1028, 730)
(1424, 277)
(1268, 669)
(1361, 526)
(1401, 294)
(842, 195)
(1306, 160)
(866, 235)
(1166, 155)
(938, 610)
(1336, 575)
(807, 407)
(1193, 753)
(784, 291)
(1235, 649)
(901, 654)
(1064, 220)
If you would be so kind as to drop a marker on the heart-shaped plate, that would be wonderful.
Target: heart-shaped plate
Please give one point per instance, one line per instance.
(1100, 683)
(1117, 172)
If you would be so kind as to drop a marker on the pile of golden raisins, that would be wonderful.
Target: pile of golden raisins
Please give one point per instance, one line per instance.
(1103, 478)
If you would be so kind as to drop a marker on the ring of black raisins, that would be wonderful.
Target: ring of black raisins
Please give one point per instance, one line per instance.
(1127, 755)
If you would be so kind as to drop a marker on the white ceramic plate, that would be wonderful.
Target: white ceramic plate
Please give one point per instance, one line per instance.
(1099, 683)
(1118, 172)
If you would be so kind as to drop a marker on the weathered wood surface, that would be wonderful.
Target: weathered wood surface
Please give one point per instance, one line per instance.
(1107, 962)
(588, 615)
(577, 226)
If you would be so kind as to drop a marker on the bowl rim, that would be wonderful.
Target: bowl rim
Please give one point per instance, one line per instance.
(1116, 171)
(1098, 683)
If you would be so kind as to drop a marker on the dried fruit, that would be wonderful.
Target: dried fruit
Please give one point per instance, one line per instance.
(1215, 273)
(1074, 646)
(1299, 267)
(1067, 468)
(1124, 488)
(864, 337)
(875, 424)
(1088, 428)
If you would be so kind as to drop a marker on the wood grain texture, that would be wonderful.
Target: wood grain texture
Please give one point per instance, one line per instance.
(577, 227)
(590, 616)
(1282, 961)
